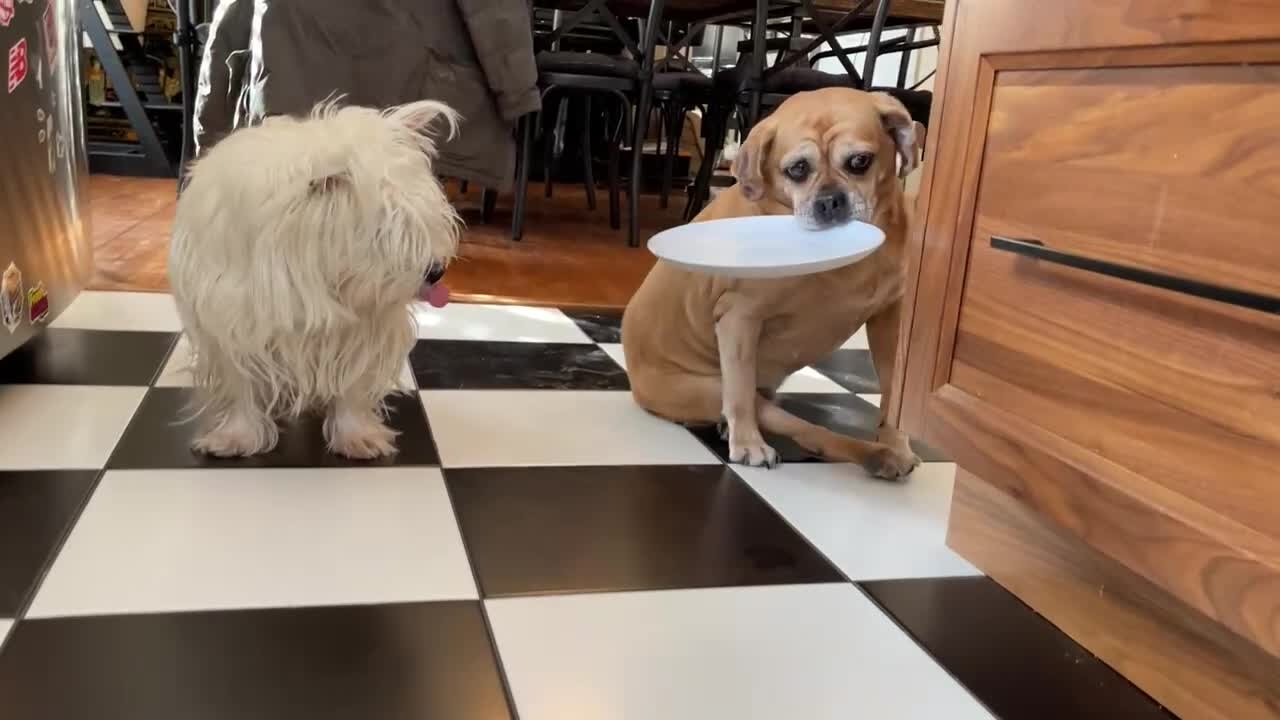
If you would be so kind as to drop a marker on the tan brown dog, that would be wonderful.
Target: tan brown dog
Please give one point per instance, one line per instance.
(702, 348)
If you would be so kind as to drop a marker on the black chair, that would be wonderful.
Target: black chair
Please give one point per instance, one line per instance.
(678, 88)
(589, 75)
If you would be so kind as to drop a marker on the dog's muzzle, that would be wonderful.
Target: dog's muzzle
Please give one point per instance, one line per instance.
(832, 207)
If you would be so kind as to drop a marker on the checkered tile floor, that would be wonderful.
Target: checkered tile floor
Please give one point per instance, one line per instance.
(540, 548)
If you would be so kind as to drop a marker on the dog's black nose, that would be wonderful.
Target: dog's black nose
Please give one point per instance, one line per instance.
(434, 273)
(831, 207)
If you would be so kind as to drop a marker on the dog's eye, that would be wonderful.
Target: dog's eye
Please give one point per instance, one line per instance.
(859, 163)
(798, 170)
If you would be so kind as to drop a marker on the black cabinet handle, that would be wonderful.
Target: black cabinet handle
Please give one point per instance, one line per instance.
(1186, 286)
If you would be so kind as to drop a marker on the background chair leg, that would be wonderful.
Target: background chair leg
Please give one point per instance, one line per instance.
(522, 175)
(675, 132)
(462, 187)
(615, 151)
(550, 122)
(488, 201)
(588, 173)
(716, 129)
(637, 159)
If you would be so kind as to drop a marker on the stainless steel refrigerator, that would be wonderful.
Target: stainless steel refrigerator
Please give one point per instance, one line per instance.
(45, 255)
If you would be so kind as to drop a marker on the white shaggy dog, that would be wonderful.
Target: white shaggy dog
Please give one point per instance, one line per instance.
(298, 247)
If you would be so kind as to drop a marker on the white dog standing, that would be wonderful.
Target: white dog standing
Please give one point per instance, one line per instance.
(298, 247)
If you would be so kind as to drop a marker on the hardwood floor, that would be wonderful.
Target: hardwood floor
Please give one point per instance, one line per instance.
(569, 255)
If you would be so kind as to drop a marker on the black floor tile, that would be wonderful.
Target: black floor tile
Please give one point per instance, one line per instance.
(602, 326)
(88, 357)
(1012, 659)
(156, 438)
(844, 413)
(851, 369)
(380, 662)
(585, 529)
(467, 365)
(36, 510)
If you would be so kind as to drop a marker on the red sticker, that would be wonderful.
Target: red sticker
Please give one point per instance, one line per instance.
(17, 64)
(6, 12)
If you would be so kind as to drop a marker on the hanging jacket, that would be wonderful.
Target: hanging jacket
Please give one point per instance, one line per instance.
(282, 57)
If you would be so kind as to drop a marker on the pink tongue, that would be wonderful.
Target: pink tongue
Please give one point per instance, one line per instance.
(437, 295)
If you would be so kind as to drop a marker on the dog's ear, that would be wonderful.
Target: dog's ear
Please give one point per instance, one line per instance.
(907, 134)
(421, 115)
(748, 166)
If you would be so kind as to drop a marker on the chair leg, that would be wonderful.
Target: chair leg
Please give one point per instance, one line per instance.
(551, 121)
(675, 132)
(714, 142)
(462, 187)
(637, 160)
(615, 210)
(488, 201)
(522, 175)
(588, 174)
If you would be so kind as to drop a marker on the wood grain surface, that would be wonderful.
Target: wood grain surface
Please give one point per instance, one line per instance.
(1136, 426)
(1162, 646)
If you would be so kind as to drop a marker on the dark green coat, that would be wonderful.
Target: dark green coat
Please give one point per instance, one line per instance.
(276, 57)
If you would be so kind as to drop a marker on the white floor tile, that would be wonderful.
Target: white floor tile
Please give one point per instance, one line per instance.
(154, 541)
(858, 341)
(510, 323)
(818, 652)
(62, 426)
(540, 427)
(97, 310)
(614, 350)
(808, 380)
(175, 373)
(874, 399)
(870, 529)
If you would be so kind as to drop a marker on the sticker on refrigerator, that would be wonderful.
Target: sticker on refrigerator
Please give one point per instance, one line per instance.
(38, 302)
(17, 64)
(12, 299)
(6, 12)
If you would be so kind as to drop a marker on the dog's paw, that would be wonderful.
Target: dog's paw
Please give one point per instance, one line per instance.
(890, 463)
(360, 438)
(753, 453)
(227, 442)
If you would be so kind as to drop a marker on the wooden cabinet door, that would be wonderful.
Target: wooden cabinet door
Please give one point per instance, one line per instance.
(1144, 134)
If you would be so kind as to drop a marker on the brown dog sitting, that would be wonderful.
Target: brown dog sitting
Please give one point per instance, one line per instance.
(702, 348)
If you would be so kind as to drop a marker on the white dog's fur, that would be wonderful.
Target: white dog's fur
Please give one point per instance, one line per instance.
(297, 249)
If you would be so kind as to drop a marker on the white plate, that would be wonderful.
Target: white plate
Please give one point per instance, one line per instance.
(764, 246)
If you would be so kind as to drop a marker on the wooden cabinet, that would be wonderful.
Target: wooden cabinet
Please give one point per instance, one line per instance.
(1094, 329)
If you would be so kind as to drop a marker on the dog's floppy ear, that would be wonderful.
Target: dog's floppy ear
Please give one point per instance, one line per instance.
(907, 134)
(421, 115)
(748, 166)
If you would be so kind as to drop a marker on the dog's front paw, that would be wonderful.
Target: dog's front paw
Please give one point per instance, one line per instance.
(891, 463)
(751, 450)
(360, 437)
(227, 442)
